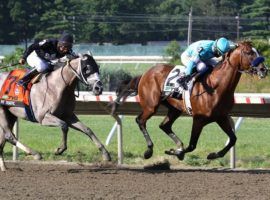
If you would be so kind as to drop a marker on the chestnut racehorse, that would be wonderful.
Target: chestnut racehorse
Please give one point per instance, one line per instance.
(212, 98)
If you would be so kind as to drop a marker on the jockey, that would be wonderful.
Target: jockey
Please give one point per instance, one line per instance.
(40, 54)
(202, 54)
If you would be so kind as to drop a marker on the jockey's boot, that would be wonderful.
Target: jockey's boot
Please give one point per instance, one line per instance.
(27, 77)
(183, 81)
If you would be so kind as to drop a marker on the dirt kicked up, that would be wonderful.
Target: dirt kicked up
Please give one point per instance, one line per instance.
(42, 180)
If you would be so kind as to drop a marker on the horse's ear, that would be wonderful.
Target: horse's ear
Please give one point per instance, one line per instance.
(90, 53)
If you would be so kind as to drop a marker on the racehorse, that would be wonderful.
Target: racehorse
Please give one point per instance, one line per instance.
(53, 103)
(212, 98)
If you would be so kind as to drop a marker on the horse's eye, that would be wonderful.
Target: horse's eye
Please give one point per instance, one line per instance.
(262, 69)
(87, 71)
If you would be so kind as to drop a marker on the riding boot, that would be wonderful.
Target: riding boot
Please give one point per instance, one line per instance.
(183, 81)
(27, 77)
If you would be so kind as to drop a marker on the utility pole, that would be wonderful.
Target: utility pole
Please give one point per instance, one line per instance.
(237, 26)
(189, 26)
(73, 28)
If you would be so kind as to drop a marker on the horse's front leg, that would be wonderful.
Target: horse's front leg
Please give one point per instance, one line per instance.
(166, 126)
(227, 125)
(76, 124)
(196, 130)
(51, 120)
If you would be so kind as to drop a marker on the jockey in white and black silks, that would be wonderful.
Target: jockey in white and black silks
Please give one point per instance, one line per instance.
(40, 54)
(202, 54)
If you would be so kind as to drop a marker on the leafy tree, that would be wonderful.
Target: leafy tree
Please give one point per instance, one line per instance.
(57, 18)
(12, 60)
(24, 15)
(126, 21)
(6, 24)
(263, 47)
(259, 14)
(173, 50)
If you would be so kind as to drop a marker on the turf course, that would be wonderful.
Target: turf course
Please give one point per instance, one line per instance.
(253, 149)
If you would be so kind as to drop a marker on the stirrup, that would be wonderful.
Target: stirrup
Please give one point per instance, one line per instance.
(184, 85)
(22, 83)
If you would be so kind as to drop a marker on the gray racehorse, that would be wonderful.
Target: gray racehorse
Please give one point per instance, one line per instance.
(53, 104)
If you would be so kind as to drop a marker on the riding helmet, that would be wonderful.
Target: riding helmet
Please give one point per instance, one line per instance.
(66, 40)
(222, 46)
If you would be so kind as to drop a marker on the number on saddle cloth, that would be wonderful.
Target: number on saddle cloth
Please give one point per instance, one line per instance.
(171, 86)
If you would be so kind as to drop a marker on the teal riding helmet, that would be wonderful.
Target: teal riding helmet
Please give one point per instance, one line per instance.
(221, 46)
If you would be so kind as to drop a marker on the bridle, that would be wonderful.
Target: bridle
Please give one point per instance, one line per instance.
(253, 69)
(247, 71)
(79, 75)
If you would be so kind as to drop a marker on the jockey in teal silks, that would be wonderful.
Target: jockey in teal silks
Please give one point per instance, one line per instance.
(201, 55)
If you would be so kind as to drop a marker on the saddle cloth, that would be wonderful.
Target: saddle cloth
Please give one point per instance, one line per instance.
(171, 84)
(13, 94)
(172, 88)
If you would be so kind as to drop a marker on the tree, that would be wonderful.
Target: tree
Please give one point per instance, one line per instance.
(259, 14)
(6, 24)
(24, 15)
(173, 50)
(57, 18)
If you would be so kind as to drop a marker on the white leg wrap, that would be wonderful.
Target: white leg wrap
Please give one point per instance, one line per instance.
(22, 147)
(180, 149)
(2, 164)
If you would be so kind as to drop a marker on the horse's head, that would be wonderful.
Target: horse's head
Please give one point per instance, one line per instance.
(248, 60)
(90, 74)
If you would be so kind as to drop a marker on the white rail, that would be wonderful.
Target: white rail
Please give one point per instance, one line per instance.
(132, 59)
(246, 104)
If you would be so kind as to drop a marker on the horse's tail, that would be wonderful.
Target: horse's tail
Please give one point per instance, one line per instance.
(128, 87)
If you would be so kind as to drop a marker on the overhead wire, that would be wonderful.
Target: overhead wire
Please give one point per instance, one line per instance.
(199, 22)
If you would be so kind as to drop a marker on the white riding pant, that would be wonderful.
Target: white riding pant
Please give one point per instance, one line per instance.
(200, 66)
(35, 61)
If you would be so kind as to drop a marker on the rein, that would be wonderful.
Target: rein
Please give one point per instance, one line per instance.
(248, 71)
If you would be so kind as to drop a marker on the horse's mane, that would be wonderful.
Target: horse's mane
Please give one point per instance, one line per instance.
(245, 43)
(59, 64)
(63, 61)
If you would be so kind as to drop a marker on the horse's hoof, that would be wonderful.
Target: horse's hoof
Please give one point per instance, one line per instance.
(105, 154)
(170, 152)
(37, 156)
(107, 157)
(180, 154)
(148, 153)
(3, 168)
(59, 151)
(212, 156)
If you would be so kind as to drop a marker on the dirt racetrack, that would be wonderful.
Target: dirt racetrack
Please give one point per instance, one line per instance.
(41, 180)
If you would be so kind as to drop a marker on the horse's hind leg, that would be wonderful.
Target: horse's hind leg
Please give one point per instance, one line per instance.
(7, 122)
(76, 124)
(2, 144)
(227, 126)
(166, 126)
(141, 121)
